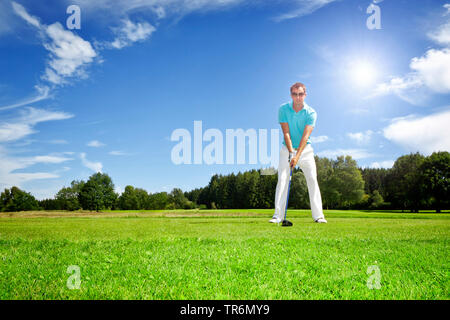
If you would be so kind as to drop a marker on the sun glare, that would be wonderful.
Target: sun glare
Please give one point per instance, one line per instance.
(363, 73)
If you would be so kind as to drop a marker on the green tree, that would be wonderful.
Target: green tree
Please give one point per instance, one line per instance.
(194, 195)
(403, 185)
(376, 200)
(267, 187)
(241, 189)
(374, 179)
(15, 199)
(252, 189)
(97, 193)
(325, 171)
(179, 200)
(298, 195)
(203, 198)
(128, 200)
(68, 196)
(158, 201)
(49, 204)
(213, 191)
(229, 191)
(347, 181)
(143, 199)
(77, 186)
(340, 181)
(222, 192)
(436, 179)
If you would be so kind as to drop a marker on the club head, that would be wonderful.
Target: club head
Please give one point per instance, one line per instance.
(286, 223)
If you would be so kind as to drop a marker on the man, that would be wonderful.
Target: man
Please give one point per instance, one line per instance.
(297, 119)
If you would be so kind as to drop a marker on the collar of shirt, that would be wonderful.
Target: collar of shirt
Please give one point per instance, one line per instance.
(305, 106)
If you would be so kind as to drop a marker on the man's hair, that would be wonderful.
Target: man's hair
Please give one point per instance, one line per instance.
(298, 85)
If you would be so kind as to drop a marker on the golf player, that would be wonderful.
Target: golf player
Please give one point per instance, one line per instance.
(297, 120)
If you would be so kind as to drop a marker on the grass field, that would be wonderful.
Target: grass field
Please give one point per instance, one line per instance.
(224, 254)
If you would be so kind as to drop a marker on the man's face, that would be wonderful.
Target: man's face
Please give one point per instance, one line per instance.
(298, 95)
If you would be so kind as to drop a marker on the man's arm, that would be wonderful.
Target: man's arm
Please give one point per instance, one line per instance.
(287, 136)
(306, 133)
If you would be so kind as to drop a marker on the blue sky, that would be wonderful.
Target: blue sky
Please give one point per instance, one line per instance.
(107, 97)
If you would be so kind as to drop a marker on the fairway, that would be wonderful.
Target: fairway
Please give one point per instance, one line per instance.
(224, 254)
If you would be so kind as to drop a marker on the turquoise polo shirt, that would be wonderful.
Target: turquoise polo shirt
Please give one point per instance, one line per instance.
(297, 121)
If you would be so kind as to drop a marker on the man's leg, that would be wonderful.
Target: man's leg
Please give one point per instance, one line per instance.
(308, 166)
(282, 184)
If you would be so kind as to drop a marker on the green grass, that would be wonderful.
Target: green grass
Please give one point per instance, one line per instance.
(224, 254)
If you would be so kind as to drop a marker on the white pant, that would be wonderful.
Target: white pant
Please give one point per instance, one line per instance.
(308, 166)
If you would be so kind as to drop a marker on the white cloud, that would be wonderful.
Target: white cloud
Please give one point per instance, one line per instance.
(441, 35)
(407, 88)
(22, 126)
(6, 18)
(69, 53)
(382, 164)
(423, 134)
(434, 69)
(94, 166)
(361, 137)
(161, 8)
(33, 116)
(20, 10)
(8, 176)
(43, 159)
(43, 93)
(429, 73)
(50, 159)
(447, 6)
(160, 12)
(95, 144)
(131, 32)
(14, 131)
(303, 8)
(354, 153)
(118, 153)
(17, 179)
(180, 8)
(16, 128)
(319, 139)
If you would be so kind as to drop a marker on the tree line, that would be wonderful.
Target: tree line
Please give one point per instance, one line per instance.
(414, 182)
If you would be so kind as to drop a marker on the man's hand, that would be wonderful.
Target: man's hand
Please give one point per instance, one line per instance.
(291, 156)
(294, 161)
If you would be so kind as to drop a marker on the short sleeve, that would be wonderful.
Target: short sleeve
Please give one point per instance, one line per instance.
(311, 121)
(281, 115)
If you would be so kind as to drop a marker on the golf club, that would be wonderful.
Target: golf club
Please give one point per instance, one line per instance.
(287, 223)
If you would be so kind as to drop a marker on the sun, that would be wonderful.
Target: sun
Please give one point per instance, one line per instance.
(363, 73)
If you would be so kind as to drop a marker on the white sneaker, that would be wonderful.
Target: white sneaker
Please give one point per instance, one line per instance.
(321, 220)
(275, 220)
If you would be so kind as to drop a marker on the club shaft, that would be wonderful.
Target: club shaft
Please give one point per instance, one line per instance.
(287, 199)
